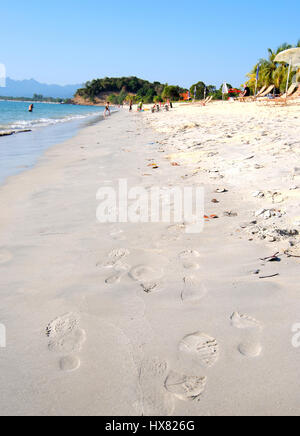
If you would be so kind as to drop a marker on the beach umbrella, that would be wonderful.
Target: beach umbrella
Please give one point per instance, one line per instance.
(290, 57)
(225, 89)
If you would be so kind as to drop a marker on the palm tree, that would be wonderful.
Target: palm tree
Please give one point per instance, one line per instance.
(271, 73)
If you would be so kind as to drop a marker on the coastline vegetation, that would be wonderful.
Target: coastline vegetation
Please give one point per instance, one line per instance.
(118, 90)
(271, 72)
(38, 98)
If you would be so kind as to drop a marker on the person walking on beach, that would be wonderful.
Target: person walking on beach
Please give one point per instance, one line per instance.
(107, 109)
(130, 106)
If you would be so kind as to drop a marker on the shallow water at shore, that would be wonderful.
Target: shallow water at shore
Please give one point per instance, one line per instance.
(14, 115)
(21, 151)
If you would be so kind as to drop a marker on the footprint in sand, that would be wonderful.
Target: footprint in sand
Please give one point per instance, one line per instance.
(193, 290)
(120, 270)
(114, 279)
(66, 338)
(244, 321)
(5, 256)
(250, 348)
(145, 273)
(189, 259)
(115, 256)
(250, 345)
(185, 388)
(147, 276)
(202, 348)
(69, 363)
(155, 400)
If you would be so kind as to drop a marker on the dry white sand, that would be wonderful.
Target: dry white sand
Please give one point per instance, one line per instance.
(131, 319)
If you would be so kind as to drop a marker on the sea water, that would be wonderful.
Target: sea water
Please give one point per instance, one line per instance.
(49, 124)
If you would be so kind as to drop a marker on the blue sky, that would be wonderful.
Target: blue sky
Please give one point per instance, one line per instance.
(179, 42)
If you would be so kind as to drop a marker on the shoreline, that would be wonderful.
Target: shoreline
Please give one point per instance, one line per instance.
(130, 296)
(48, 136)
(60, 117)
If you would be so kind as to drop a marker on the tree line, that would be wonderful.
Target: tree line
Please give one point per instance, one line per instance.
(119, 90)
(39, 98)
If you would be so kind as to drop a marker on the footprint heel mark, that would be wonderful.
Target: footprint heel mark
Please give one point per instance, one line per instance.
(201, 347)
(155, 401)
(250, 348)
(189, 259)
(193, 290)
(185, 388)
(69, 363)
(244, 321)
(145, 274)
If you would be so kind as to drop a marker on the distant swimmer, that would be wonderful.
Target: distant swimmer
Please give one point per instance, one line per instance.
(107, 109)
(31, 108)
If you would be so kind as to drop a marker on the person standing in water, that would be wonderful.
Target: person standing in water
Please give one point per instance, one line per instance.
(31, 108)
(107, 109)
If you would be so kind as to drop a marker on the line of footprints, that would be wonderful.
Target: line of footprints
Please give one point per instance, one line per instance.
(159, 385)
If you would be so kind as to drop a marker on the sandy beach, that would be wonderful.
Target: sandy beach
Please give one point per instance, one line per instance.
(146, 319)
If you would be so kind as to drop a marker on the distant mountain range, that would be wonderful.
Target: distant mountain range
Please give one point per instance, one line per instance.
(27, 88)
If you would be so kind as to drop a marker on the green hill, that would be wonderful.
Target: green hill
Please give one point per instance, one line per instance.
(117, 90)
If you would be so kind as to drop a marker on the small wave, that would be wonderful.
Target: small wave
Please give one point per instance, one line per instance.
(43, 122)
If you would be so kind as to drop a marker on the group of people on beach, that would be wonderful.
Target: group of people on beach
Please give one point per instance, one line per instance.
(156, 108)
